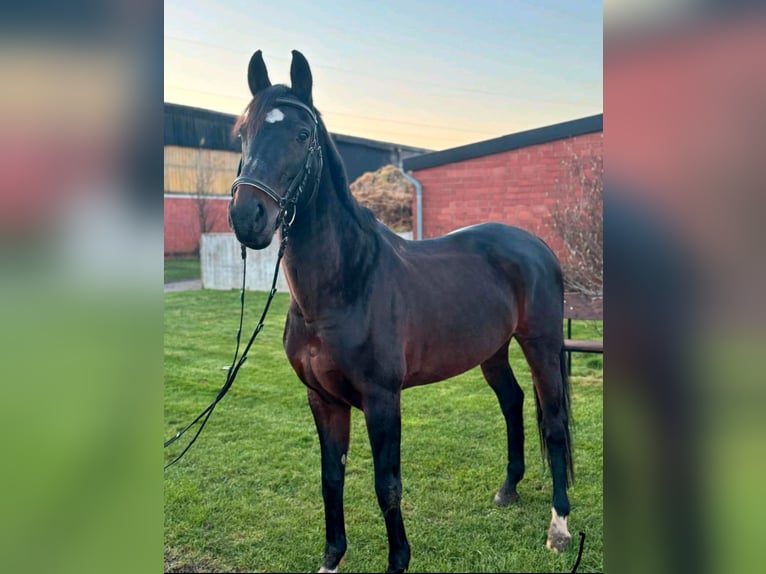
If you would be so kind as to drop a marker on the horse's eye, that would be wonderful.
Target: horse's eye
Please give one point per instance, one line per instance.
(303, 135)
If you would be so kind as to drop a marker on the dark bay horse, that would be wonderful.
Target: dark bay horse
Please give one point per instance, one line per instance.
(372, 314)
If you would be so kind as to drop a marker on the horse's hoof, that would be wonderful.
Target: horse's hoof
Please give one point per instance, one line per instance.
(558, 534)
(331, 570)
(503, 498)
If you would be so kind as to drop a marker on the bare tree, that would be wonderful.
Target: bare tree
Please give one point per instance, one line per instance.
(203, 184)
(577, 218)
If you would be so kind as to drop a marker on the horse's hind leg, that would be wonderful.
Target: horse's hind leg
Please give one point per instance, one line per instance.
(497, 371)
(545, 356)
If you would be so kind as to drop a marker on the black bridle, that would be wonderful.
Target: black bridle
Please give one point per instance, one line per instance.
(288, 201)
(287, 209)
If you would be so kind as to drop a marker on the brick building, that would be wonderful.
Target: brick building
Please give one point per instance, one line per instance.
(512, 179)
(201, 159)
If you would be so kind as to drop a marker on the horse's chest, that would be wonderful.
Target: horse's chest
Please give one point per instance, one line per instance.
(320, 356)
(331, 357)
(321, 347)
(321, 363)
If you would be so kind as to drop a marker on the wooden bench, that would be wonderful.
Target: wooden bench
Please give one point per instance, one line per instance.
(579, 306)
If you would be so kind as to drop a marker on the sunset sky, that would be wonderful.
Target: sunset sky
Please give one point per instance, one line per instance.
(432, 74)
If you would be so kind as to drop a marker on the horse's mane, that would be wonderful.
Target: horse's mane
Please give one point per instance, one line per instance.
(363, 216)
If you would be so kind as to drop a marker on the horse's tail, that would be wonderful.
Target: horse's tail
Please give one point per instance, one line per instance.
(567, 412)
(566, 415)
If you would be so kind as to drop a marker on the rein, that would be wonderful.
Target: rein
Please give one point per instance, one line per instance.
(287, 205)
(235, 364)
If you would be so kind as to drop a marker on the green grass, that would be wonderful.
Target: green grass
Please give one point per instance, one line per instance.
(181, 268)
(247, 496)
(587, 364)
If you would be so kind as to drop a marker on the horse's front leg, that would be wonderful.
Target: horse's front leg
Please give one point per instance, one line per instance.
(333, 426)
(383, 417)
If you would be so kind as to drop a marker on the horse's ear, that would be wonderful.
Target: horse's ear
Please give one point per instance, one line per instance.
(257, 76)
(300, 76)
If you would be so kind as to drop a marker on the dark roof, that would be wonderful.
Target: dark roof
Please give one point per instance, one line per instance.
(195, 127)
(509, 142)
(340, 138)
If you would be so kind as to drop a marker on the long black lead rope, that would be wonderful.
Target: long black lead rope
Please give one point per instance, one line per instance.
(236, 364)
(287, 210)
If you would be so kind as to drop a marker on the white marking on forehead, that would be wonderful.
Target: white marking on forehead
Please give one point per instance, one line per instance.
(275, 115)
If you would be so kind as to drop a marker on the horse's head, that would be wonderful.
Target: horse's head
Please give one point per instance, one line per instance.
(281, 153)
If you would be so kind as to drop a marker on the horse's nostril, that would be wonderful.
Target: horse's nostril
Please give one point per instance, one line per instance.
(258, 221)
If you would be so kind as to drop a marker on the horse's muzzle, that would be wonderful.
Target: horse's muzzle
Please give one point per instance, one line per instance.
(252, 217)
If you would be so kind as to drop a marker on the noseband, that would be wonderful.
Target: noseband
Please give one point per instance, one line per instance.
(289, 200)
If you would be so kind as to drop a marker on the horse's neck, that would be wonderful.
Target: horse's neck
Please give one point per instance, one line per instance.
(329, 255)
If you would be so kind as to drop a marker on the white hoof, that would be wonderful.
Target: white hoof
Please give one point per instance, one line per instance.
(323, 569)
(558, 533)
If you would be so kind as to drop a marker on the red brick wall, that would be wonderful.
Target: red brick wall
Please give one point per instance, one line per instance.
(182, 230)
(515, 187)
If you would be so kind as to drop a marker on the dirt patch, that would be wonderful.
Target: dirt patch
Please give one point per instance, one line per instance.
(176, 562)
(388, 194)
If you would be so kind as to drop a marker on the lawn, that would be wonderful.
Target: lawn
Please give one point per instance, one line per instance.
(181, 268)
(247, 496)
